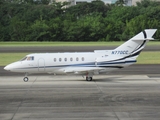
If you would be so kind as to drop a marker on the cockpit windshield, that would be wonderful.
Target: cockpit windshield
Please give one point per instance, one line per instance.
(28, 58)
(23, 59)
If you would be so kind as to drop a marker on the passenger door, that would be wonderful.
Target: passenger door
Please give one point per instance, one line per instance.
(41, 65)
(96, 62)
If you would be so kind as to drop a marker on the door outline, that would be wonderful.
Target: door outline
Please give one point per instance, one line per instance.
(41, 65)
(96, 62)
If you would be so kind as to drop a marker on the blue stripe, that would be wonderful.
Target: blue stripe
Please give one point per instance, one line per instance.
(132, 61)
(92, 64)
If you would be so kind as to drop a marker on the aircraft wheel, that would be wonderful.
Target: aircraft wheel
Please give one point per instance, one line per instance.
(25, 79)
(88, 78)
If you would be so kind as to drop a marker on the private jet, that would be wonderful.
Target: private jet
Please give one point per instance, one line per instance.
(85, 64)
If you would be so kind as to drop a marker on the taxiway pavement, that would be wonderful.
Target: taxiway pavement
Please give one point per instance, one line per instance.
(118, 97)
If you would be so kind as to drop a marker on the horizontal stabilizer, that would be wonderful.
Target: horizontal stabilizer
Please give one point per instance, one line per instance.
(145, 35)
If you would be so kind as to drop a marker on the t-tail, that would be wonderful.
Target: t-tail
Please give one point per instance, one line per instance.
(133, 47)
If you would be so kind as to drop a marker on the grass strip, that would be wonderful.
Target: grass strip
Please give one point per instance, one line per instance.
(144, 58)
(22, 44)
(150, 57)
(7, 58)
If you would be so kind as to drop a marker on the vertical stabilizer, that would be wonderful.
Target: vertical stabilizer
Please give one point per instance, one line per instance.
(137, 43)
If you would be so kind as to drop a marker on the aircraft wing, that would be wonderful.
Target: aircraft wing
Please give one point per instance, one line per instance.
(81, 70)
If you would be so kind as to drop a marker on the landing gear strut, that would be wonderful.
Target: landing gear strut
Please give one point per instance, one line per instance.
(25, 79)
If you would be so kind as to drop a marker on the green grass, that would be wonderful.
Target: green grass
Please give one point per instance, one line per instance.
(22, 44)
(7, 58)
(144, 58)
(151, 57)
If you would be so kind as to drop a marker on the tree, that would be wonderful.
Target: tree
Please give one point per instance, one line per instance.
(120, 3)
(30, 21)
(147, 3)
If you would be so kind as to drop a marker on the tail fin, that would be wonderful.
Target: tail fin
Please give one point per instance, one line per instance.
(135, 45)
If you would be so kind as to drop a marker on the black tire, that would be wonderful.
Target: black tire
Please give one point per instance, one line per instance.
(88, 78)
(25, 79)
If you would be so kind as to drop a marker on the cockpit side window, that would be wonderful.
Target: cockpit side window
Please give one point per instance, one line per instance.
(28, 58)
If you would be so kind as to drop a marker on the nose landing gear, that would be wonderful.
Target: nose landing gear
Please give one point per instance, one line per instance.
(25, 79)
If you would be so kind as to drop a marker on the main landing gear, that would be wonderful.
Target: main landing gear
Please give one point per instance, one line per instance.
(25, 79)
(88, 78)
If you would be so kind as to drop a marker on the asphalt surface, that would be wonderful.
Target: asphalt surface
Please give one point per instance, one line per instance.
(116, 97)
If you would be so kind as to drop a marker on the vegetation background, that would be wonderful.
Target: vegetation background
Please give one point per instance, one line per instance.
(30, 20)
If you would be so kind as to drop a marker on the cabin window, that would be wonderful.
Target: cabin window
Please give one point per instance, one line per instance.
(77, 59)
(54, 59)
(60, 59)
(65, 59)
(71, 59)
(82, 58)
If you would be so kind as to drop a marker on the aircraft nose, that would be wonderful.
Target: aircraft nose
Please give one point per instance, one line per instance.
(12, 67)
(7, 67)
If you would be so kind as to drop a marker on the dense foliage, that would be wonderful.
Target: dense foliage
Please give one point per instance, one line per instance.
(95, 21)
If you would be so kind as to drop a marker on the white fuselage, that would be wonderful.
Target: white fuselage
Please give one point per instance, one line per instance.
(70, 63)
